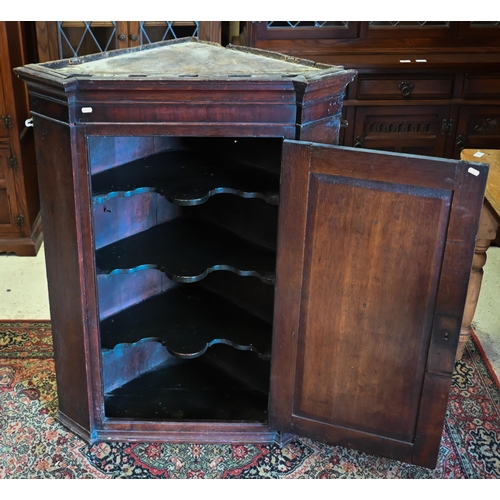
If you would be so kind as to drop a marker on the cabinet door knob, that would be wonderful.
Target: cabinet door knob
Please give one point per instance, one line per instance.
(460, 142)
(122, 37)
(133, 38)
(405, 88)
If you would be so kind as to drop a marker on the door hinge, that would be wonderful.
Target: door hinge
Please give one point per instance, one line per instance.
(19, 220)
(12, 161)
(446, 127)
(358, 142)
(460, 142)
(7, 121)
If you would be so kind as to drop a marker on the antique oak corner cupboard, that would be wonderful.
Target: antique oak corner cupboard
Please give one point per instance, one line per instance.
(219, 271)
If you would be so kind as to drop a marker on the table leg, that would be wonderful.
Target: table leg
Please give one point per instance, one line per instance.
(486, 233)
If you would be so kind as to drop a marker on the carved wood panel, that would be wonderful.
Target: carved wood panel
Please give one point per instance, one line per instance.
(390, 128)
(478, 127)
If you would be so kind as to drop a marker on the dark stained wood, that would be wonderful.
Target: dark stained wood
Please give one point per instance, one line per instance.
(478, 127)
(321, 44)
(361, 332)
(129, 361)
(119, 291)
(109, 151)
(173, 247)
(133, 117)
(292, 227)
(379, 312)
(263, 153)
(225, 385)
(186, 178)
(415, 130)
(251, 294)
(127, 35)
(482, 86)
(188, 320)
(450, 301)
(46, 36)
(371, 364)
(251, 219)
(402, 70)
(122, 217)
(18, 181)
(210, 31)
(406, 86)
(8, 202)
(64, 265)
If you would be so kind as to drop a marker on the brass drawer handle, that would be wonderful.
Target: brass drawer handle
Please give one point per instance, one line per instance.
(406, 88)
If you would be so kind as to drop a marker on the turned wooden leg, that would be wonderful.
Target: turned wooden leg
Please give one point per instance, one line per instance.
(486, 233)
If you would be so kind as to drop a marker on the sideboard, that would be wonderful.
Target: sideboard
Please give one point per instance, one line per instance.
(423, 87)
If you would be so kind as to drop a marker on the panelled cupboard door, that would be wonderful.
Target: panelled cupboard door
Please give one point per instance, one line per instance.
(375, 251)
(8, 200)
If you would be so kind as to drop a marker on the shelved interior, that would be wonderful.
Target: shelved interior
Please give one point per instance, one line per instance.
(185, 251)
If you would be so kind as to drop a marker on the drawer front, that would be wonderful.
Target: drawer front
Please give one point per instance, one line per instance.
(482, 86)
(402, 129)
(405, 87)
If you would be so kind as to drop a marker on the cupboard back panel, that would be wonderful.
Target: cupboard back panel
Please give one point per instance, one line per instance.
(109, 152)
(168, 213)
(120, 217)
(119, 291)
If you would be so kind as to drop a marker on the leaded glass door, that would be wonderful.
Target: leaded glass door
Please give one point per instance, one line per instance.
(67, 39)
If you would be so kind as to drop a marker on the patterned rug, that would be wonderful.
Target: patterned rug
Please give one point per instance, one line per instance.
(34, 445)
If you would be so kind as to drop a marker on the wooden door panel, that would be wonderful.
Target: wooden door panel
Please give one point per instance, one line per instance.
(8, 205)
(374, 255)
(377, 357)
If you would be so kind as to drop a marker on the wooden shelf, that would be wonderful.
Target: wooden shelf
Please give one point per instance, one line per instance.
(206, 388)
(185, 178)
(174, 248)
(187, 320)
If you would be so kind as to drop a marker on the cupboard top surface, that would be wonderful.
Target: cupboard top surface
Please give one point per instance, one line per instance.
(186, 58)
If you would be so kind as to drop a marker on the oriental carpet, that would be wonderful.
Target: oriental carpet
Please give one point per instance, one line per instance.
(34, 445)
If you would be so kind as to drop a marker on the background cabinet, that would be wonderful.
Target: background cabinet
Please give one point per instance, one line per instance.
(64, 39)
(20, 219)
(425, 87)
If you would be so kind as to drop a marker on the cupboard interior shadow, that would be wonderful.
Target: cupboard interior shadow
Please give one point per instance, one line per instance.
(185, 253)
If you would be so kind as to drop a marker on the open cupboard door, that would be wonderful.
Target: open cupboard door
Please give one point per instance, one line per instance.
(375, 251)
